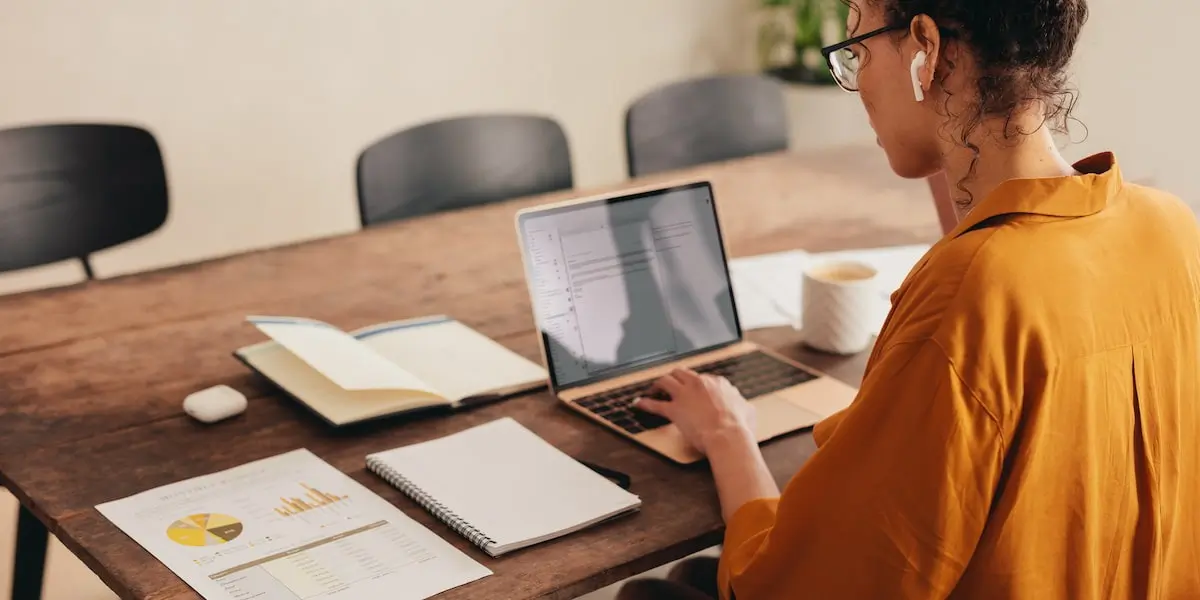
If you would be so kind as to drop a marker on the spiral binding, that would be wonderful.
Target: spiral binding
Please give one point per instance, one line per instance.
(437, 509)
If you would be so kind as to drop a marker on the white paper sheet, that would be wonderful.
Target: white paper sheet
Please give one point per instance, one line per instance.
(755, 308)
(290, 527)
(770, 280)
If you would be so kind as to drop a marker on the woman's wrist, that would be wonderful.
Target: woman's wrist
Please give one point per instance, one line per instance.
(727, 437)
(738, 468)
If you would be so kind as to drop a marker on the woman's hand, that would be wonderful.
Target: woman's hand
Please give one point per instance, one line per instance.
(704, 408)
(716, 420)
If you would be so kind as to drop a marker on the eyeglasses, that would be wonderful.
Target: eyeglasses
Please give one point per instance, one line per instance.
(844, 62)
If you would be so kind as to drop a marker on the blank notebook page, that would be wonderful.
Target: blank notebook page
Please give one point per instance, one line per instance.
(509, 483)
(454, 359)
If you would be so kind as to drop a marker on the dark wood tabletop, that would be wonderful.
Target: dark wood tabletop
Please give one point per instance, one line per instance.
(92, 377)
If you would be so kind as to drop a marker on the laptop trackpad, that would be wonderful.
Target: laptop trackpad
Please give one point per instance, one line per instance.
(777, 416)
(822, 397)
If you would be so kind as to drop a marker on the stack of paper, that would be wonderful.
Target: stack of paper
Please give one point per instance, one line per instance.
(767, 286)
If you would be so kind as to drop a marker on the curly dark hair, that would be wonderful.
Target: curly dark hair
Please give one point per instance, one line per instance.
(1021, 48)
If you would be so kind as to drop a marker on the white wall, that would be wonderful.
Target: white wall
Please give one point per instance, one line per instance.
(1137, 79)
(262, 106)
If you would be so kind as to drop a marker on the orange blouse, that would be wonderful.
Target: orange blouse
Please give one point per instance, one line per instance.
(1028, 426)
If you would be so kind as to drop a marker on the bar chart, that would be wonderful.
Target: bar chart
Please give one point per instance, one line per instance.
(312, 499)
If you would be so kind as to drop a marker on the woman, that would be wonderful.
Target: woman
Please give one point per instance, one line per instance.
(1027, 426)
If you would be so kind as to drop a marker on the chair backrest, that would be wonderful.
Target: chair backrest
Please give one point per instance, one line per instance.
(69, 190)
(705, 120)
(461, 162)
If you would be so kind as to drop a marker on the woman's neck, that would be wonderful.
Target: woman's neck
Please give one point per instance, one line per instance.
(1019, 157)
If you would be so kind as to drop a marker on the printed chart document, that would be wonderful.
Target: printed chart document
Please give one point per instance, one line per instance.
(290, 527)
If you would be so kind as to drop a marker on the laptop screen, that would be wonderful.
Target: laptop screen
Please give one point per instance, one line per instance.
(626, 283)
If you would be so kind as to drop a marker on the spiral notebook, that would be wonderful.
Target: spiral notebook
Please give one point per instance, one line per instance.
(502, 487)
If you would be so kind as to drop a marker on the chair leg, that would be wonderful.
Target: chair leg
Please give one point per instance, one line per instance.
(30, 563)
(87, 268)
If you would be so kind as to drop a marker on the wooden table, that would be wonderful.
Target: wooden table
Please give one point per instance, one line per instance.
(92, 377)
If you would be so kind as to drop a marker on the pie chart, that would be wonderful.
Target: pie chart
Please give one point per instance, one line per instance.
(204, 529)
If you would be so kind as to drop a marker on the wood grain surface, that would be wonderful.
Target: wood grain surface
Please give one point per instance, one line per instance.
(92, 376)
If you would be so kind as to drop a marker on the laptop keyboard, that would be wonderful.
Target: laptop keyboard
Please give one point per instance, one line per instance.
(754, 374)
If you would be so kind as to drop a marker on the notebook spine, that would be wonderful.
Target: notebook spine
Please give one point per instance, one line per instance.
(429, 503)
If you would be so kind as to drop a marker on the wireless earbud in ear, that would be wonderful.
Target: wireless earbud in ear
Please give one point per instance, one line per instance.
(917, 63)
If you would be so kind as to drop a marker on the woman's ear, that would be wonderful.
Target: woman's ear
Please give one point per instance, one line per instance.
(926, 46)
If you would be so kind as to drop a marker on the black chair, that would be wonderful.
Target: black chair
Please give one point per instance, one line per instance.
(67, 191)
(705, 120)
(461, 162)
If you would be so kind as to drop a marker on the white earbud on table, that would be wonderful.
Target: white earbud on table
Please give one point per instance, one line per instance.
(917, 63)
(214, 404)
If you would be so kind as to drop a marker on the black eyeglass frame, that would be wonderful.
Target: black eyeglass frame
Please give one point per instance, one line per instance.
(828, 51)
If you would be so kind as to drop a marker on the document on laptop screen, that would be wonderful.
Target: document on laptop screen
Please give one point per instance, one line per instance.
(628, 282)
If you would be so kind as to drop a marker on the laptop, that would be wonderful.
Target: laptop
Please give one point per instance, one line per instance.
(627, 288)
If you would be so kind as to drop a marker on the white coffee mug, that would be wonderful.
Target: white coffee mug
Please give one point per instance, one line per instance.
(837, 304)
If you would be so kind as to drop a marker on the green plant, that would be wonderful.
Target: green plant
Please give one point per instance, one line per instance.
(806, 26)
(810, 20)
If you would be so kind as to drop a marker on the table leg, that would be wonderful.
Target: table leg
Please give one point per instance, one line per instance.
(29, 564)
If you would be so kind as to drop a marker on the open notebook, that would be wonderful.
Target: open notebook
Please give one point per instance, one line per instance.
(501, 486)
(386, 369)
